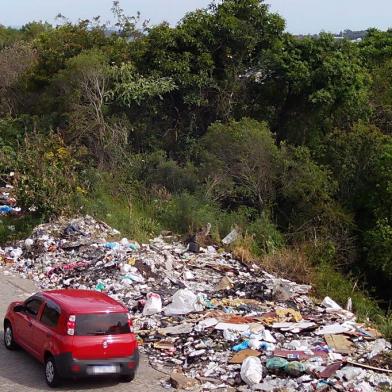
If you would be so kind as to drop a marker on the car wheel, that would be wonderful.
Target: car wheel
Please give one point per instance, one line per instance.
(128, 378)
(9, 341)
(51, 376)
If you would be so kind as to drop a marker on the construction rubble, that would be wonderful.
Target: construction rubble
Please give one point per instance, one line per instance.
(206, 320)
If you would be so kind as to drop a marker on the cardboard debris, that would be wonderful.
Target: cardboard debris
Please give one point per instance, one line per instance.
(180, 381)
(242, 355)
(339, 343)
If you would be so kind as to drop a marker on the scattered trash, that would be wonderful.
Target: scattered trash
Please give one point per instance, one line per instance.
(180, 381)
(153, 304)
(242, 355)
(379, 346)
(252, 370)
(334, 329)
(212, 322)
(184, 302)
(339, 343)
(231, 237)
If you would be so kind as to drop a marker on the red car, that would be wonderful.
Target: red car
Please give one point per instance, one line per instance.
(75, 333)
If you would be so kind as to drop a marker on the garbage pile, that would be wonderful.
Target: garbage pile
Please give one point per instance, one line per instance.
(7, 199)
(205, 319)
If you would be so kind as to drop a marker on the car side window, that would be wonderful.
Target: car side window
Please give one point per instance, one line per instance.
(32, 306)
(50, 315)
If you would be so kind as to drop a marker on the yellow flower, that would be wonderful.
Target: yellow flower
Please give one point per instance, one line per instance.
(49, 155)
(62, 152)
(81, 190)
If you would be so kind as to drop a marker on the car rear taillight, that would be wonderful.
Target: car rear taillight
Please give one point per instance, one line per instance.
(71, 325)
(130, 323)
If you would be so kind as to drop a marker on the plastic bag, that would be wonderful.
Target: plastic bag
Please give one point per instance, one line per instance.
(276, 364)
(184, 301)
(241, 346)
(378, 347)
(153, 304)
(295, 368)
(329, 303)
(251, 371)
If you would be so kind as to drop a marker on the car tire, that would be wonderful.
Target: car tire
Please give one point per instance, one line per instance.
(128, 377)
(51, 375)
(9, 341)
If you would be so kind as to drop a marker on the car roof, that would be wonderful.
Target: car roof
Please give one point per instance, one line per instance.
(84, 301)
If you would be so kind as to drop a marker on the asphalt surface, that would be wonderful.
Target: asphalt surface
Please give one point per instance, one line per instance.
(21, 372)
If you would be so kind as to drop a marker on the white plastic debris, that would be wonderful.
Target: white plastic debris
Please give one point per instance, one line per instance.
(267, 336)
(231, 237)
(334, 329)
(378, 347)
(188, 275)
(126, 268)
(293, 327)
(206, 323)
(229, 335)
(124, 242)
(184, 328)
(29, 242)
(251, 371)
(211, 249)
(329, 303)
(350, 373)
(232, 327)
(349, 305)
(153, 304)
(184, 301)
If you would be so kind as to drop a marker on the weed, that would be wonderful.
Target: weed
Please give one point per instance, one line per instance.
(289, 263)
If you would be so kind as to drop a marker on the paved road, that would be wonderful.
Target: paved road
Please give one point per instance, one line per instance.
(20, 372)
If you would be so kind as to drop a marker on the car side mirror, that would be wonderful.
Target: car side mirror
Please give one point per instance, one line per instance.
(19, 308)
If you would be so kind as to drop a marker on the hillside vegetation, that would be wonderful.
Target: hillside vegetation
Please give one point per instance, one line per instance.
(223, 119)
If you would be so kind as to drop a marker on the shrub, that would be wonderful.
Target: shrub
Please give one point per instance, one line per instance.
(46, 174)
(157, 170)
(330, 282)
(121, 207)
(187, 213)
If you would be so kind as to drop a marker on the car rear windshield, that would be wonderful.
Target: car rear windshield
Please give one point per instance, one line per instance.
(101, 324)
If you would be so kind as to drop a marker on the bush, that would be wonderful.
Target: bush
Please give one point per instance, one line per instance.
(240, 161)
(330, 282)
(122, 208)
(266, 236)
(13, 229)
(46, 174)
(157, 170)
(187, 213)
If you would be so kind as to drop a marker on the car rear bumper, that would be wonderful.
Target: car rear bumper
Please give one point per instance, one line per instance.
(68, 367)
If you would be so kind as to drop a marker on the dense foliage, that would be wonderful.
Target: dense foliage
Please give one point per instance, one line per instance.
(222, 119)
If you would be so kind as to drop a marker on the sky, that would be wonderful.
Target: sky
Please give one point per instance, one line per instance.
(302, 16)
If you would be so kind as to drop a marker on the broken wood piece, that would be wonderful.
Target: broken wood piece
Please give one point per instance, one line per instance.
(362, 365)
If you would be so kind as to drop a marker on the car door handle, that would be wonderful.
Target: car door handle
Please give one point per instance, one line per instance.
(48, 335)
(30, 324)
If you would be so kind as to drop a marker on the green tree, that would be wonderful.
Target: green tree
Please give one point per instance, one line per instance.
(321, 84)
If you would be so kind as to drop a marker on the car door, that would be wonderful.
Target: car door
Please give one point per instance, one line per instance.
(44, 329)
(24, 321)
